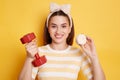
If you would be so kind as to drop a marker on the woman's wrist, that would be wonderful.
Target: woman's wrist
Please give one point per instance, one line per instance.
(30, 59)
(94, 59)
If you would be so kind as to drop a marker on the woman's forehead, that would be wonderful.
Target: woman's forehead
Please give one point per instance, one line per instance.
(60, 19)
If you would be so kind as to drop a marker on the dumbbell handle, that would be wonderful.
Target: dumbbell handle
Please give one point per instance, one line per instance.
(37, 56)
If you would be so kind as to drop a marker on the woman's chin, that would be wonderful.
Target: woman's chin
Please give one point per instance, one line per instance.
(58, 41)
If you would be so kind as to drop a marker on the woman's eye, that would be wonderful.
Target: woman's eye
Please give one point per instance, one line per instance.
(64, 26)
(53, 26)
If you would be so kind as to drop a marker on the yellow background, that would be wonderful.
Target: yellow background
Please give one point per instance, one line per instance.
(99, 19)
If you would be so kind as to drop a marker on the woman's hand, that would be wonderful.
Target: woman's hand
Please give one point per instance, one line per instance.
(89, 47)
(31, 48)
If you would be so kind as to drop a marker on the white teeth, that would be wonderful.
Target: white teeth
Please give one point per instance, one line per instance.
(81, 39)
(58, 36)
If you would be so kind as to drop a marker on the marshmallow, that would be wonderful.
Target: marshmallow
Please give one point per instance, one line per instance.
(81, 39)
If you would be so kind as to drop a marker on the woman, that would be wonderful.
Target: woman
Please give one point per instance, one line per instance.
(63, 60)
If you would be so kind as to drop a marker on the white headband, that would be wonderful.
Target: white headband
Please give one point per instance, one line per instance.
(55, 7)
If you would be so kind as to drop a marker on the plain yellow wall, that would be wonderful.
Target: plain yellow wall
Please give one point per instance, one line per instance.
(99, 19)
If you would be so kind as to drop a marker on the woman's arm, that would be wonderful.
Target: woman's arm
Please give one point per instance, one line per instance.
(90, 50)
(98, 73)
(26, 72)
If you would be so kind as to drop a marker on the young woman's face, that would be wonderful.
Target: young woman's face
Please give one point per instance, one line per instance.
(59, 29)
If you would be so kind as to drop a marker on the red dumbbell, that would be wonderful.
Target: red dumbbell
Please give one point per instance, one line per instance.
(38, 60)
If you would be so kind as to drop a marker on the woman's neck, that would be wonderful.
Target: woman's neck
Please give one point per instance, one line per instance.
(61, 46)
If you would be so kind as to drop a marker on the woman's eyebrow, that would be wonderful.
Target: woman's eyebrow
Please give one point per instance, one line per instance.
(64, 23)
(53, 24)
(61, 24)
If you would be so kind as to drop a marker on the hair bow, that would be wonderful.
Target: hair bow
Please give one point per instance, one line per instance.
(55, 7)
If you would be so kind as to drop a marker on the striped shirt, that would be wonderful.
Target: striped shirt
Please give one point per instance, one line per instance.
(62, 64)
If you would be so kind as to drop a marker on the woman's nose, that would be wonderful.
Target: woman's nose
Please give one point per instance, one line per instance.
(58, 30)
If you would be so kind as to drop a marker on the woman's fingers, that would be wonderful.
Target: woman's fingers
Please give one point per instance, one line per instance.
(31, 43)
(31, 48)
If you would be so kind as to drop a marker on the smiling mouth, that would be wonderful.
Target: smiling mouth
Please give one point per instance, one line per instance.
(58, 36)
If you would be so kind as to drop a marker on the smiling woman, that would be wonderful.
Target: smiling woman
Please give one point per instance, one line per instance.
(63, 60)
(100, 19)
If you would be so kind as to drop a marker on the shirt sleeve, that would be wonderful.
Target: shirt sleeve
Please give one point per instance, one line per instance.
(86, 67)
(34, 72)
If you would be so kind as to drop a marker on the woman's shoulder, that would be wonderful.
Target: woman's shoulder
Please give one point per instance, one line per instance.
(75, 49)
(43, 47)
